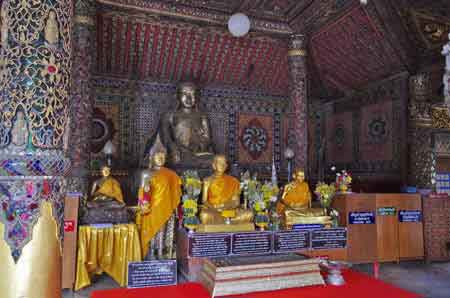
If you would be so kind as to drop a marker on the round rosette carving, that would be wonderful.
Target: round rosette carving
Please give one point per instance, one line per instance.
(255, 139)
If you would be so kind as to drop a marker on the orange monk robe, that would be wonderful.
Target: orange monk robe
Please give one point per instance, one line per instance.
(222, 189)
(165, 188)
(298, 196)
(110, 187)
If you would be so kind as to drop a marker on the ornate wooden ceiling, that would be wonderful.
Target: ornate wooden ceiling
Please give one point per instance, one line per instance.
(352, 51)
(134, 45)
(350, 45)
(427, 24)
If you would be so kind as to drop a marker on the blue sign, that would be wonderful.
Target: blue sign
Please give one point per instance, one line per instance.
(361, 217)
(410, 216)
(152, 273)
(307, 227)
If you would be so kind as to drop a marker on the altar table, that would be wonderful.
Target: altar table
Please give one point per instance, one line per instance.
(358, 285)
(106, 249)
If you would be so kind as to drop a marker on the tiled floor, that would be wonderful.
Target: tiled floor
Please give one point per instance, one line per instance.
(430, 280)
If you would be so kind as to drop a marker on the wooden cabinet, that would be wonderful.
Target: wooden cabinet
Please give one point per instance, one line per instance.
(70, 240)
(375, 228)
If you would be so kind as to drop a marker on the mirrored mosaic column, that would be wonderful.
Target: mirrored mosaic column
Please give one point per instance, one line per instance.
(298, 96)
(35, 66)
(422, 161)
(81, 94)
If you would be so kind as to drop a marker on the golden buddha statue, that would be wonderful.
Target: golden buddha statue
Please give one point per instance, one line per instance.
(159, 196)
(295, 204)
(106, 203)
(106, 191)
(186, 132)
(221, 201)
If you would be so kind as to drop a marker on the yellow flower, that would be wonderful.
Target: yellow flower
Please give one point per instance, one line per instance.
(190, 204)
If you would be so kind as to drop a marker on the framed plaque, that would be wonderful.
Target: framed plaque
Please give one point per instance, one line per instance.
(250, 243)
(152, 273)
(329, 238)
(292, 240)
(209, 244)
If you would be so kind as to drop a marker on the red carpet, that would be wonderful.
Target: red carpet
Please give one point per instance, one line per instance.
(358, 285)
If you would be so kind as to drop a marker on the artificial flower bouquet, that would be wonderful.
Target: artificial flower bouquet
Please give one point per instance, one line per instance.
(192, 187)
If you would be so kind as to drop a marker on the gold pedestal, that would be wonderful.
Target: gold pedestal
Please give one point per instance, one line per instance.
(324, 220)
(217, 228)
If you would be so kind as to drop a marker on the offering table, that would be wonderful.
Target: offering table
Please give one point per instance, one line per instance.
(106, 249)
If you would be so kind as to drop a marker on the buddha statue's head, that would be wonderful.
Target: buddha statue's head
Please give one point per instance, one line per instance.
(106, 171)
(159, 159)
(299, 175)
(187, 95)
(219, 164)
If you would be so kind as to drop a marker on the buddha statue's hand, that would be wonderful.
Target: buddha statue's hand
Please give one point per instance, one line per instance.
(145, 209)
(208, 205)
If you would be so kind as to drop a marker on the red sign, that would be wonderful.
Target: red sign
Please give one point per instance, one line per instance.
(69, 225)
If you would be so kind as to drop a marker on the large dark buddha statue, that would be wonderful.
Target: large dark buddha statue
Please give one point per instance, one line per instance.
(185, 132)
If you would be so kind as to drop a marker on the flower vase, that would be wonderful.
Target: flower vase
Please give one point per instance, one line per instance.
(343, 188)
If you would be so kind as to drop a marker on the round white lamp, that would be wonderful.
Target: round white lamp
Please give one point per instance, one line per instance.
(239, 24)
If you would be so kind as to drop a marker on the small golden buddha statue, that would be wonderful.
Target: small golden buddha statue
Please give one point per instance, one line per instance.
(186, 131)
(106, 191)
(295, 204)
(159, 196)
(106, 203)
(221, 198)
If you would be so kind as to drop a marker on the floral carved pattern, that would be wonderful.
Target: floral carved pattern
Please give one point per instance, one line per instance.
(20, 202)
(255, 138)
(377, 130)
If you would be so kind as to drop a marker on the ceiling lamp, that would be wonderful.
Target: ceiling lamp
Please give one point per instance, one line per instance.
(239, 24)
(363, 2)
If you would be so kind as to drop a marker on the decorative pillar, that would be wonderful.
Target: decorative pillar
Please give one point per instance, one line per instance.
(81, 95)
(35, 66)
(298, 97)
(420, 133)
(446, 79)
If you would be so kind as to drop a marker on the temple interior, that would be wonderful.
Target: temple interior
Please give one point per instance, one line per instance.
(135, 131)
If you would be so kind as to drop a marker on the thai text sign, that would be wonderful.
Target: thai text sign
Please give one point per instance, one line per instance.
(410, 216)
(152, 273)
(364, 217)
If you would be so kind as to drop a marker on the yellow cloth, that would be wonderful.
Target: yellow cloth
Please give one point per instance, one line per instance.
(165, 193)
(110, 187)
(222, 189)
(298, 196)
(106, 250)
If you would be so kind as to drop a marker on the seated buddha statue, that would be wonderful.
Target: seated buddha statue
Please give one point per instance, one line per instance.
(295, 204)
(185, 132)
(158, 197)
(221, 198)
(106, 191)
(106, 203)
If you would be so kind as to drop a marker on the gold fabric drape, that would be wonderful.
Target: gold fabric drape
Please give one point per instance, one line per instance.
(165, 188)
(106, 250)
